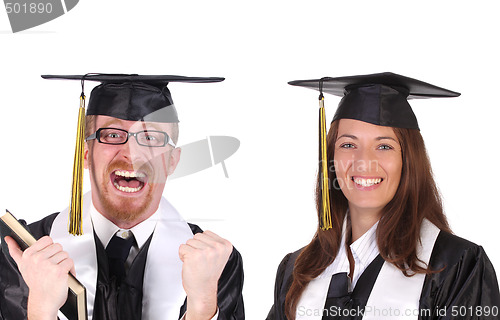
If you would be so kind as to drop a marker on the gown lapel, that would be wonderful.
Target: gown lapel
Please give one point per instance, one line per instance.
(81, 249)
(394, 294)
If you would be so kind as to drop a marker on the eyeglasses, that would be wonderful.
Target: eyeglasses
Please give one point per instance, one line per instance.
(147, 138)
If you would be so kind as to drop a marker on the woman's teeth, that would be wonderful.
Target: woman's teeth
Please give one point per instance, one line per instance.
(366, 182)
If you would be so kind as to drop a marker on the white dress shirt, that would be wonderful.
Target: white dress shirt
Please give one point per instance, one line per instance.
(364, 251)
(106, 229)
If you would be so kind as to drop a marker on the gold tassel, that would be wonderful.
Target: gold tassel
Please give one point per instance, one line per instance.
(75, 207)
(325, 222)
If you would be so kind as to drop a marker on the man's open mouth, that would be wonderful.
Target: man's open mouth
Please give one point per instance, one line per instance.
(128, 181)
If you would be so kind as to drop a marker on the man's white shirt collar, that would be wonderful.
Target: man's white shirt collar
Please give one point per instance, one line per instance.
(105, 229)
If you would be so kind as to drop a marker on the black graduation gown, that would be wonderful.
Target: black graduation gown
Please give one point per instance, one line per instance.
(113, 305)
(467, 288)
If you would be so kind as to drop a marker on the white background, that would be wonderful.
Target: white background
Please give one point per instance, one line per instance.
(266, 207)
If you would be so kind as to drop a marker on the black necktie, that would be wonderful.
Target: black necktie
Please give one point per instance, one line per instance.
(117, 251)
(338, 299)
(342, 304)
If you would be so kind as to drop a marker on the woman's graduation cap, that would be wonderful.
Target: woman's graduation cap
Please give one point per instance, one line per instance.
(127, 97)
(380, 99)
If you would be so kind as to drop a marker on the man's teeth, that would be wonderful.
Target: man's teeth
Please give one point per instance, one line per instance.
(367, 182)
(129, 174)
(127, 189)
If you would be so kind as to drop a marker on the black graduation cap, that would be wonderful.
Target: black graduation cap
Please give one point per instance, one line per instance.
(133, 97)
(125, 96)
(380, 99)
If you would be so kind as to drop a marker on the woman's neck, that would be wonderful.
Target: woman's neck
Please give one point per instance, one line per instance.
(362, 220)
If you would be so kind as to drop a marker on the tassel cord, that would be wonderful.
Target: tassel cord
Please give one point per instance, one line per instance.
(75, 212)
(325, 217)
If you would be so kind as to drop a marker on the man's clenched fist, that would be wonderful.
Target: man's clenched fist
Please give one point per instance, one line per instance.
(204, 258)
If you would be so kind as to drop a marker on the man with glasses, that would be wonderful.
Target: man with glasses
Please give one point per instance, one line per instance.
(137, 258)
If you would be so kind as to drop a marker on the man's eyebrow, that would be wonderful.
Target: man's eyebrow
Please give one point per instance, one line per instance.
(143, 124)
(110, 122)
(150, 125)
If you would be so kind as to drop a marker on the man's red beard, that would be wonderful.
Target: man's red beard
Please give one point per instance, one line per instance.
(124, 209)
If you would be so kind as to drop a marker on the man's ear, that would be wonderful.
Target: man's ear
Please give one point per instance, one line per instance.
(175, 156)
(86, 155)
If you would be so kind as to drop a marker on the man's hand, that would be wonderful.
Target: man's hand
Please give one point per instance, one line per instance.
(204, 258)
(44, 267)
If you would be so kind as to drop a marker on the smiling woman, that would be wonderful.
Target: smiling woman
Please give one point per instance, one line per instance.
(367, 158)
(389, 250)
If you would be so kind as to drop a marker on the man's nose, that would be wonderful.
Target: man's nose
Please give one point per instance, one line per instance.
(131, 150)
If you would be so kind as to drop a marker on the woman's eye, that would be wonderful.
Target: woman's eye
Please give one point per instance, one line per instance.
(385, 147)
(347, 145)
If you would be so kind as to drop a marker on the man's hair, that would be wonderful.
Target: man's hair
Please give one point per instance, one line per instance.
(89, 125)
(91, 120)
(417, 198)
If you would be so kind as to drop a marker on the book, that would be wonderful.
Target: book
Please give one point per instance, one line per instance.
(75, 307)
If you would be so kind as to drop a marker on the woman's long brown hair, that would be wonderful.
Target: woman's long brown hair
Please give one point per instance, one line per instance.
(398, 231)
